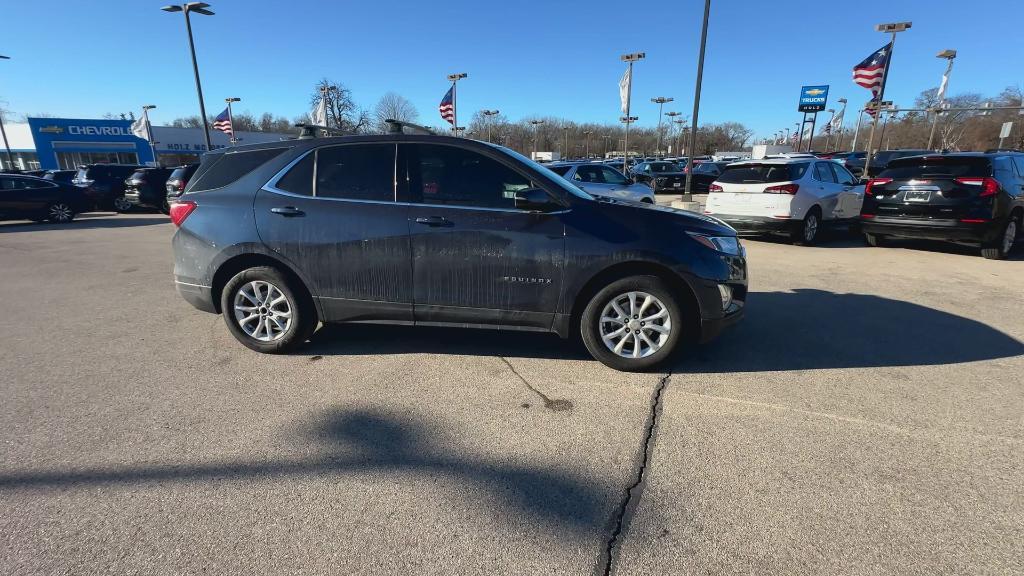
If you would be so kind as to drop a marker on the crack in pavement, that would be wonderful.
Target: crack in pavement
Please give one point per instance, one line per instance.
(558, 404)
(629, 502)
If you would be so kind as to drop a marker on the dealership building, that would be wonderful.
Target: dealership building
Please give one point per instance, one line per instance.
(67, 143)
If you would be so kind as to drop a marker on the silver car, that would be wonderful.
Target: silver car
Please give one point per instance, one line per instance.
(601, 180)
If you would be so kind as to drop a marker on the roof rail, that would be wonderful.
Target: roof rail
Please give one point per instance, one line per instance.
(398, 127)
(314, 130)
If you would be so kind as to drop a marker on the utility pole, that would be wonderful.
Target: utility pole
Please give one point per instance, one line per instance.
(948, 55)
(660, 101)
(696, 102)
(892, 29)
(453, 78)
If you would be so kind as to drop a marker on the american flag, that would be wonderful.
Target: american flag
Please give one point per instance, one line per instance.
(223, 123)
(447, 107)
(871, 71)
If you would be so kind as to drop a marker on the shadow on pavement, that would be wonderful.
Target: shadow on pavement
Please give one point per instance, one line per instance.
(85, 222)
(809, 329)
(362, 441)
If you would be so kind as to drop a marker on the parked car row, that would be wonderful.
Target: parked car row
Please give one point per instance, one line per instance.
(59, 195)
(974, 197)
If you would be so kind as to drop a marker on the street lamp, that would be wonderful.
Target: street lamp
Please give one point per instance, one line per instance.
(587, 134)
(487, 114)
(629, 59)
(149, 131)
(10, 157)
(231, 119)
(696, 99)
(948, 55)
(565, 131)
(671, 118)
(198, 8)
(682, 128)
(536, 124)
(660, 101)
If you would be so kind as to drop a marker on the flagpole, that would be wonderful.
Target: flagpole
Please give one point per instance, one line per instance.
(950, 55)
(455, 109)
(629, 59)
(892, 29)
(149, 131)
(231, 120)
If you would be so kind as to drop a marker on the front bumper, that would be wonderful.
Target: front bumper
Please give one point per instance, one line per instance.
(710, 328)
(932, 229)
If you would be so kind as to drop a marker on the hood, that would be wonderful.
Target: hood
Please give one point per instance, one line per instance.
(691, 220)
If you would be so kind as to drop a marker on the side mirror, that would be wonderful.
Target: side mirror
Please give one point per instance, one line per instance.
(533, 199)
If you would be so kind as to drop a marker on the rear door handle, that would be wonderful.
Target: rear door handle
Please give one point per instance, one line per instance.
(287, 211)
(434, 221)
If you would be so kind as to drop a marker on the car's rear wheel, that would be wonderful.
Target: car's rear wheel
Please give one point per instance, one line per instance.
(1001, 246)
(266, 311)
(806, 232)
(633, 324)
(875, 240)
(60, 212)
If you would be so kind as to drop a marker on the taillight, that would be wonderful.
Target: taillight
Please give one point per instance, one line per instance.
(714, 188)
(875, 182)
(782, 189)
(989, 186)
(180, 210)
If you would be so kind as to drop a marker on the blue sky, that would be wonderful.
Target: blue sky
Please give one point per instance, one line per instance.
(525, 57)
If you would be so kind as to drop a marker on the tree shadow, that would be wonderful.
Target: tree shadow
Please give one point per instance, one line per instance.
(813, 329)
(84, 222)
(362, 441)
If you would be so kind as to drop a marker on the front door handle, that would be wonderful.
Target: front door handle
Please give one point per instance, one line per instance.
(287, 211)
(435, 221)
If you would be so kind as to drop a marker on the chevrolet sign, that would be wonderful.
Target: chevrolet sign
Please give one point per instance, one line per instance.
(813, 98)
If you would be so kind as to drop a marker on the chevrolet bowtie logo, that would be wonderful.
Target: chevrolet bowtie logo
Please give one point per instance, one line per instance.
(51, 129)
(814, 92)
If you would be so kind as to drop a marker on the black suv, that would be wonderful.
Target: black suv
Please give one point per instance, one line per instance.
(659, 175)
(434, 230)
(966, 197)
(103, 184)
(145, 187)
(178, 180)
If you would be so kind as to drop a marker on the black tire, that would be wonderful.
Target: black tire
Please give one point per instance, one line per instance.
(60, 212)
(875, 240)
(591, 324)
(1003, 244)
(303, 312)
(807, 232)
(647, 201)
(165, 208)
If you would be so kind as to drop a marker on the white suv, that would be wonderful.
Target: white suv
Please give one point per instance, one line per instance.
(794, 195)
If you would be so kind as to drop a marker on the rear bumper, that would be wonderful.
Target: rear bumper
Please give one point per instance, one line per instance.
(932, 229)
(755, 224)
(200, 297)
(142, 198)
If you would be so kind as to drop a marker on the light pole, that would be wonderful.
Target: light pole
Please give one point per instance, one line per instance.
(627, 120)
(454, 78)
(587, 134)
(660, 101)
(198, 8)
(565, 149)
(682, 128)
(536, 128)
(787, 135)
(149, 131)
(10, 157)
(671, 118)
(696, 100)
(487, 117)
(948, 55)
(606, 139)
(231, 119)
(891, 28)
(888, 117)
(629, 59)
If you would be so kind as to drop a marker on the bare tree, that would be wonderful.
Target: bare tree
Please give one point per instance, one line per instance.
(342, 112)
(394, 107)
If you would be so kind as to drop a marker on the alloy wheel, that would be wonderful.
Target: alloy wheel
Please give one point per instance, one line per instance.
(121, 204)
(635, 324)
(1010, 236)
(262, 311)
(60, 212)
(810, 227)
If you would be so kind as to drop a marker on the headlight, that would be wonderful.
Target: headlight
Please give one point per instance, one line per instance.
(726, 244)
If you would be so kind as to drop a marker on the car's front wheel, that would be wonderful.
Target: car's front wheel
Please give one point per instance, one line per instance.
(633, 324)
(266, 311)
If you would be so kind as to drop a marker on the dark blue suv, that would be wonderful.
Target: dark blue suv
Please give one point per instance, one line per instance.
(441, 231)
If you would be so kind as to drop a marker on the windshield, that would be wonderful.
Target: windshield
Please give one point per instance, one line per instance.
(562, 182)
(664, 167)
(763, 173)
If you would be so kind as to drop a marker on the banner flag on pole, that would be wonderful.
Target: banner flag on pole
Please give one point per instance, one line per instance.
(624, 83)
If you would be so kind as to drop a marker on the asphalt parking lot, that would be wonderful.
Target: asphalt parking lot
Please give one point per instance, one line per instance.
(867, 417)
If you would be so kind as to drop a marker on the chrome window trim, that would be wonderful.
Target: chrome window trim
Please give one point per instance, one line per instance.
(271, 185)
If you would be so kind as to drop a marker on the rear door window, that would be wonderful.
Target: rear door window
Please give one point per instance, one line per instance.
(611, 176)
(843, 175)
(590, 174)
(938, 167)
(763, 173)
(356, 172)
(231, 166)
(823, 174)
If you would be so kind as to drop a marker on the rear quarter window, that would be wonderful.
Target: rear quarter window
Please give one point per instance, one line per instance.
(763, 173)
(229, 167)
